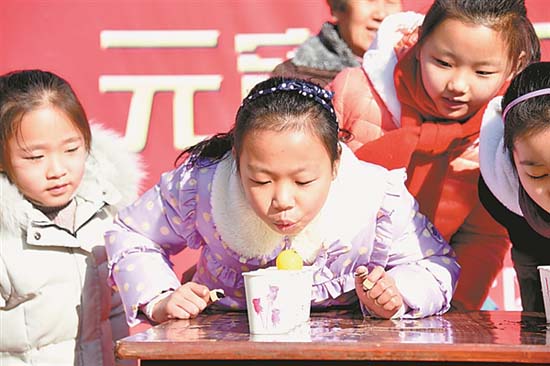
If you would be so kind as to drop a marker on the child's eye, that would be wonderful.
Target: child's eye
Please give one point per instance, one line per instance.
(484, 73)
(442, 63)
(73, 149)
(260, 182)
(34, 157)
(537, 176)
(303, 183)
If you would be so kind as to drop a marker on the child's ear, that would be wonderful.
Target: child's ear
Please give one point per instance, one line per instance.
(417, 51)
(520, 65)
(335, 168)
(234, 155)
(333, 13)
(336, 164)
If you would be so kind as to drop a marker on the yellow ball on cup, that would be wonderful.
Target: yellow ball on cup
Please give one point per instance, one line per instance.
(289, 259)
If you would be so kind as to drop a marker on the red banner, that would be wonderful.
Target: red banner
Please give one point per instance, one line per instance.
(166, 73)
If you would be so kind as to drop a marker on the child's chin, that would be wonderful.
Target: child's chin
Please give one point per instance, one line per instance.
(56, 202)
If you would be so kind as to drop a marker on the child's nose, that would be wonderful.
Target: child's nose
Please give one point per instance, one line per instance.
(458, 83)
(283, 198)
(56, 168)
(379, 11)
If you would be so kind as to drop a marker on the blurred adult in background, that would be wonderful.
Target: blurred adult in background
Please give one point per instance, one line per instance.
(341, 42)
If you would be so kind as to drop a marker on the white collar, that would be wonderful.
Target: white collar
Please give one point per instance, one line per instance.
(243, 231)
(343, 216)
(494, 162)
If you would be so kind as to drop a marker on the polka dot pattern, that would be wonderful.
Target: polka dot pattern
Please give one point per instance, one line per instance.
(179, 214)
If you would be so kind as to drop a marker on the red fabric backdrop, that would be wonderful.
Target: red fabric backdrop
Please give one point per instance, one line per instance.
(183, 64)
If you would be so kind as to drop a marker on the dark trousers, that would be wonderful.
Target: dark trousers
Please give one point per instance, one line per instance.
(529, 279)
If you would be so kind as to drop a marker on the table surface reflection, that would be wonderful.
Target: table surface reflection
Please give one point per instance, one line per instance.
(460, 337)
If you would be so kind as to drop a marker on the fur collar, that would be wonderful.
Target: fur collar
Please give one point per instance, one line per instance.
(326, 51)
(247, 235)
(380, 59)
(494, 163)
(109, 168)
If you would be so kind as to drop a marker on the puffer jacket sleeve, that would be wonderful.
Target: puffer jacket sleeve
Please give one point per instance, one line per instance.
(357, 106)
(158, 224)
(420, 260)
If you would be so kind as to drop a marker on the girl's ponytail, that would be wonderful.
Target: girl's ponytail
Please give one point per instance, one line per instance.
(208, 151)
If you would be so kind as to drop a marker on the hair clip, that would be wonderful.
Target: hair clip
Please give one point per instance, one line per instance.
(320, 95)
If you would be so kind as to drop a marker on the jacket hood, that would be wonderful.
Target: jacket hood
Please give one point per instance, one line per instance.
(109, 167)
(495, 166)
(380, 59)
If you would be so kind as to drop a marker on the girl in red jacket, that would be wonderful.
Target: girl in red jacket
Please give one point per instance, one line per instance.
(417, 102)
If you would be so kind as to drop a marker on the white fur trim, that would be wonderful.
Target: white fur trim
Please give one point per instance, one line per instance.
(246, 234)
(494, 163)
(379, 61)
(242, 230)
(115, 165)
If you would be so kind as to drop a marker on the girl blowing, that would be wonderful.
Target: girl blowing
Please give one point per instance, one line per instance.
(279, 179)
(514, 186)
(417, 102)
(59, 190)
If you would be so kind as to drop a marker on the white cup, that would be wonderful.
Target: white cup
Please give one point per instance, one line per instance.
(277, 300)
(544, 272)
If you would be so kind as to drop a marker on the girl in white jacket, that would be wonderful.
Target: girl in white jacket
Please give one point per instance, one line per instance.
(59, 194)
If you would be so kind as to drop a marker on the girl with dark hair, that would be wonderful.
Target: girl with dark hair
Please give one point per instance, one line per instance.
(417, 103)
(280, 179)
(515, 174)
(61, 183)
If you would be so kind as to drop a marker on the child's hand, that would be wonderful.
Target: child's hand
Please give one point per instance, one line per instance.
(377, 291)
(186, 302)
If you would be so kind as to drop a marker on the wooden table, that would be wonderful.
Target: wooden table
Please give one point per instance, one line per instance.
(344, 337)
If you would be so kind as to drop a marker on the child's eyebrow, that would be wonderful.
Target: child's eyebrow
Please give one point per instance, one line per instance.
(41, 146)
(259, 169)
(530, 163)
(488, 61)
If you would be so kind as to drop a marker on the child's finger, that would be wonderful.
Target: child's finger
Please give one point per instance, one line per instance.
(393, 304)
(197, 294)
(200, 290)
(378, 289)
(382, 297)
(174, 311)
(374, 282)
(365, 279)
(361, 273)
(361, 270)
(192, 307)
(376, 274)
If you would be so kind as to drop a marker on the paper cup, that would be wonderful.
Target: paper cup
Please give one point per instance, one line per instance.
(277, 300)
(544, 272)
